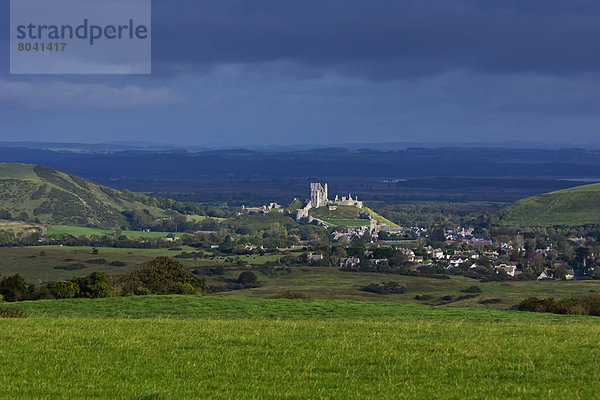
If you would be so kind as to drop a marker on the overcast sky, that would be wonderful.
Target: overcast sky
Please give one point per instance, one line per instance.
(327, 71)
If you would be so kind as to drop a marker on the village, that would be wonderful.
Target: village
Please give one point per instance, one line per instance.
(482, 253)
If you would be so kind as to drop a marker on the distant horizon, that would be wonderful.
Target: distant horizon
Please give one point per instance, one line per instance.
(400, 145)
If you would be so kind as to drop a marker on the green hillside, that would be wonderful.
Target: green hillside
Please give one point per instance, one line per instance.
(349, 213)
(45, 195)
(575, 206)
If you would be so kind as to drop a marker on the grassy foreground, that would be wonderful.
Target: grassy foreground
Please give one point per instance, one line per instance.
(178, 347)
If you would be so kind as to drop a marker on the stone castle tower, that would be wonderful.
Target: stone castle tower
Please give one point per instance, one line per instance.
(318, 195)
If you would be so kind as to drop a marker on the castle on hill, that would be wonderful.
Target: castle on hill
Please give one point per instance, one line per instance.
(319, 198)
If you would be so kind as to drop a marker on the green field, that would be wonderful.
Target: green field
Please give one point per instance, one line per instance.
(199, 218)
(348, 216)
(335, 222)
(379, 218)
(181, 347)
(81, 231)
(331, 283)
(18, 171)
(38, 264)
(574, 206)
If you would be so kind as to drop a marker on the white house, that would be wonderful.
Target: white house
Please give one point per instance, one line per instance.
(349, 262)
(509, 267)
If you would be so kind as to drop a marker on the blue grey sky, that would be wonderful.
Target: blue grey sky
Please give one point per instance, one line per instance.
(261, 72)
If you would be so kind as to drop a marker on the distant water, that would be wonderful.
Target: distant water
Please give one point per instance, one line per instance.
(585, 180)
(395, 180)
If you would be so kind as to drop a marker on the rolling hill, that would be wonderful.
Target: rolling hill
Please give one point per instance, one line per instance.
(349, 213)
(575, 206)
(48, 196)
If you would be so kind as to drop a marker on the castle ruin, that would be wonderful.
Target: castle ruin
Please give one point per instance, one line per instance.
(318, 195)
(319, 198)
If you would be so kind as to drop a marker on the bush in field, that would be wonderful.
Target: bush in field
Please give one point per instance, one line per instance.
(472, 289)
(588, 305)
(162, 275)
(247, 277)
(218, 270)
(593, 303)
(71, 267)
(95, 285)
(99, 261)
(490, 301)
(14, 288)
(118, 264)
(63, 289)
(291, 295)
(183, 288)
(423, 297)
(385, 288)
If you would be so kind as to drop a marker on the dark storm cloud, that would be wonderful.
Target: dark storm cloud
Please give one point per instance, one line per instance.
(381, 39)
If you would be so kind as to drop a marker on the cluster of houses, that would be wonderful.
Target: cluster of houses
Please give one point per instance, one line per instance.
(261, 210)
(474, 249)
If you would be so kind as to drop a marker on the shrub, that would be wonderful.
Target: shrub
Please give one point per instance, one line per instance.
(593, 303)
(385, 288)
(193, 254)
(472, 289)
(466, 297)
(423, 297)
(588, 305)
(14, 288)
(291, 294)
(183, 288)
(95, 285)
(118, 264)
(63, 289)
(99, 261)
(247, 277)
(532, 304)
(162, 275)
(218, 270)
(71, 267)
(490, 301)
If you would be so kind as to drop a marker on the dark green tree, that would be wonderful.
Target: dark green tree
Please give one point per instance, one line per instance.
(14, 288)
(95, 285)
(63, 289)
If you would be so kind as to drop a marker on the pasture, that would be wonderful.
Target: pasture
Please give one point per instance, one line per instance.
(82, 231)
(335, 222)
(40, 263)
(187, 347)
(331, 283)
